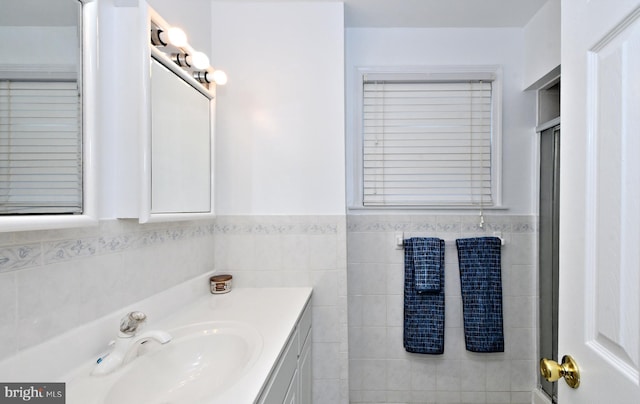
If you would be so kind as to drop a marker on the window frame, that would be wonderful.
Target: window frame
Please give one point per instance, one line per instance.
(355, 179)
(89, 95)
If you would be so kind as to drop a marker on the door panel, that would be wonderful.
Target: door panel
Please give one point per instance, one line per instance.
(600, 199)
(613, 258)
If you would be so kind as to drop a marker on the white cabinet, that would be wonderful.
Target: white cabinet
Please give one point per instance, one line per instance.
(180, 144)
(304, 358)
(290, 382)
(280, 379)
(292, 394)
(304, 376)
(164, 133)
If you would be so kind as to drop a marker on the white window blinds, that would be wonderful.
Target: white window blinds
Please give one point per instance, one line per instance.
(427, 143)
(40, 147)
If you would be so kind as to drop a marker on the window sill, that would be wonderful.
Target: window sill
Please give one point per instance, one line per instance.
(360, 210)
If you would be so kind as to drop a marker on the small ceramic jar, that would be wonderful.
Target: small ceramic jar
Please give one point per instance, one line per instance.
(220, 284)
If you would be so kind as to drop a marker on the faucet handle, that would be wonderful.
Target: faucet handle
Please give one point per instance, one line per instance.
(130, 322)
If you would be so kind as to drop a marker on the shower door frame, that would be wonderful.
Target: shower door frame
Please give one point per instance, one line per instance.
(548, 248)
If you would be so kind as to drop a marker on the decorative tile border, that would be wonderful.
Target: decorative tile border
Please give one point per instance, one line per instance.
(115, 243)
(119, 237)
(68, 249)
(16, 257)
(19, 257)
(442, 224)
(116, 237)
(525, 227)
(275, 228)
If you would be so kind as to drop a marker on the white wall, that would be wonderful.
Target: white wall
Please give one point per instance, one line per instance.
(419, 47)
(39, 45)
(280, 118)
(280, 152)
(542, 43)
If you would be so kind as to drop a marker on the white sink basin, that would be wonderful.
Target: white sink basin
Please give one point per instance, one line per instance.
(202, 361)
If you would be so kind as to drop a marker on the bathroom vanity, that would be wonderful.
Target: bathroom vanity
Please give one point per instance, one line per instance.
(246, 346)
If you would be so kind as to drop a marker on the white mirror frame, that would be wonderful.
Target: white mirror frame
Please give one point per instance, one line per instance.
(89, 217)
(146, 216)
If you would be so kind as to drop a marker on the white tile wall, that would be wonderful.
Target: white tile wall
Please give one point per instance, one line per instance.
(52, 281)
(297, 251)
(381, 371)
(8, 315)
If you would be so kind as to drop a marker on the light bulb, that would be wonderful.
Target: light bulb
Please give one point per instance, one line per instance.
(177, 37)
(220, 77)
(200, 60)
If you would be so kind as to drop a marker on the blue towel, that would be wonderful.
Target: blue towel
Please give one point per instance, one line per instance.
(423, 312)
(480, 280)
(426, 264)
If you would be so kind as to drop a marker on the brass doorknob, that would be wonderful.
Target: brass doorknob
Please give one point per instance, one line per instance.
(552, 370)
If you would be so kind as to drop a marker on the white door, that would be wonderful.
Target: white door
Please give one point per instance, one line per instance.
(599, 313)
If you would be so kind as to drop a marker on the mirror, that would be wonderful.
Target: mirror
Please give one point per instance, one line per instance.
(180, 146)
(45, 124)
(177, 131)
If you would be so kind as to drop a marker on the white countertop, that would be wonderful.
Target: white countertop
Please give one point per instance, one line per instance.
(272, 311)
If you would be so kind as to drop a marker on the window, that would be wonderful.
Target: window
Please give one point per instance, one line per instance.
(40, 147)
(69, 59)
(430, 139)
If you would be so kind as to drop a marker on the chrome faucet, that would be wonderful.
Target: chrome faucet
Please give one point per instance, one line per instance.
(129, 324)
(125, 347)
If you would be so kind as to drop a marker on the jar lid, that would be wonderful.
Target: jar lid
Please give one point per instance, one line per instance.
(221, 278)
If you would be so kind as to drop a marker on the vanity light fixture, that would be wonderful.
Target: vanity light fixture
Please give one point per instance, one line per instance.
(182, 59)
(202, 76)
(174, 36)
(172, 42)
(218, 76)
(158, 37)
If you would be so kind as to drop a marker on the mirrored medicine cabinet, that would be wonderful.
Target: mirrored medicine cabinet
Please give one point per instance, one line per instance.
(168, 173)
(47, 114)
(156, 119)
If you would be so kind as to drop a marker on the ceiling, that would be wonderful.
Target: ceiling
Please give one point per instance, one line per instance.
(434, 13)
(358, 13)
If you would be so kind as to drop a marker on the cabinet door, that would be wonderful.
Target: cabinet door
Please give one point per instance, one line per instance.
(180, 145)
(292, 393)
(304, 369)
(281, 379)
